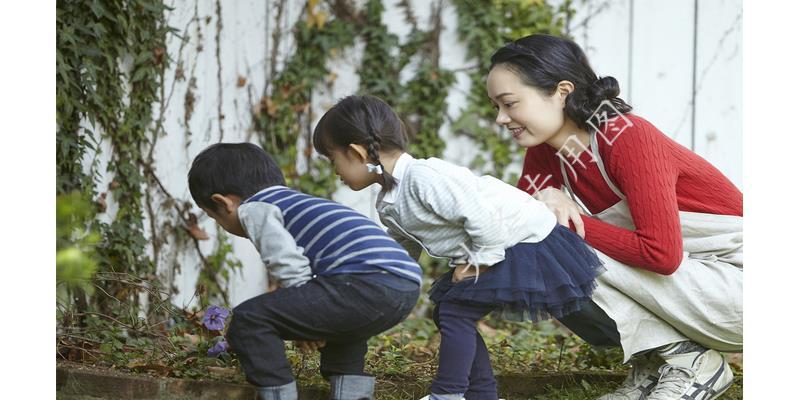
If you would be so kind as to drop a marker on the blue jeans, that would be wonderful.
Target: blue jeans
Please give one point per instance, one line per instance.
(464, 365)
(344, 310)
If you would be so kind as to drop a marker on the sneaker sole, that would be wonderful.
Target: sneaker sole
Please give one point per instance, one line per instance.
(725, 368)
(723, 390)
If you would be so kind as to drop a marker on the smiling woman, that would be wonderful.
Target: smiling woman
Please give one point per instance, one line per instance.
(667, 223)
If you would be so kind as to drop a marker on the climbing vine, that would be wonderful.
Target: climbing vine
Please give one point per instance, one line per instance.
(111, 58)
(483, 30)
(283, 116)
(420, 102)
(111, 61)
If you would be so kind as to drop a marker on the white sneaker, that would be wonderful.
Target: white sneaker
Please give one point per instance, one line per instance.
(641, 379)
(696, 375)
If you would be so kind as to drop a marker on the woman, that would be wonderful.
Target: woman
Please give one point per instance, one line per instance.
(667, 223)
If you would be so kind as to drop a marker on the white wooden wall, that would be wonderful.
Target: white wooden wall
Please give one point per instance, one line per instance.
(679, 63)
(659, 51)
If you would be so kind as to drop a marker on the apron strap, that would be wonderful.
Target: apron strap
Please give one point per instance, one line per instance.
(600, 165)
(569, 188)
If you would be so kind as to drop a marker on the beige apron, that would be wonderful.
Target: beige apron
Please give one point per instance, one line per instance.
(701, 301)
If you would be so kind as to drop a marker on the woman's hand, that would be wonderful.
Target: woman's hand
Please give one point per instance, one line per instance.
(563, 207)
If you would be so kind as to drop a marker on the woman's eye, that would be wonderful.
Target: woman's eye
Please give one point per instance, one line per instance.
(508, 105)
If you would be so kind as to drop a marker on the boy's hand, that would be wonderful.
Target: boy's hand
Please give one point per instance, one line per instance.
(307, 346)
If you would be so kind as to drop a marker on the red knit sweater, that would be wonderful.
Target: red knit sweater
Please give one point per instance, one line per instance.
(658, 176)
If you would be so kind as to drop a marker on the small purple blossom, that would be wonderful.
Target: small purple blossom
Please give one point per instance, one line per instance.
(217, 349)
(214, 318)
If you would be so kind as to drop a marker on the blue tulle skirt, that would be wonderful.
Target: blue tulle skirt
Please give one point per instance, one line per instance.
(536, 281)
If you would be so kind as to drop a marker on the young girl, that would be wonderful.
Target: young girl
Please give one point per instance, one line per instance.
(667, 223)
(506, 250)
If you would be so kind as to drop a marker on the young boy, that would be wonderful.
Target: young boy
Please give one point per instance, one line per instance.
(342, 279)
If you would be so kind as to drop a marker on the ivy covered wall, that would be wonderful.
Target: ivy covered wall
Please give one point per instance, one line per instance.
(142, 88)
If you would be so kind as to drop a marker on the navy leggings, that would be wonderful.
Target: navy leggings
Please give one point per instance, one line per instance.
(464, 365)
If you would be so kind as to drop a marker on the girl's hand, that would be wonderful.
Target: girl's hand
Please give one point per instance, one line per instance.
(273, 285)
(464, 271)
(563, 207)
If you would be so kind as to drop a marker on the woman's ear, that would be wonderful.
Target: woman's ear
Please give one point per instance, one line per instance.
(563, 89)
(358, 151)
(225, 203)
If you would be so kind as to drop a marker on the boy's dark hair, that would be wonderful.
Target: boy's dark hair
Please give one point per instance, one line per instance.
(364, 120)
(541, 61)
(241, 169)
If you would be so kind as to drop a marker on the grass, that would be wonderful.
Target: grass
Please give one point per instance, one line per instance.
(404, 360)
(545, 358)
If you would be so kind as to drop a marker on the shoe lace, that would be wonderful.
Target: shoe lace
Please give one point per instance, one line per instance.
(673, 383)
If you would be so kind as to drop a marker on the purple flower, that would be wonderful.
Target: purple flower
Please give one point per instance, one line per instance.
(217, 349)
(214, 318)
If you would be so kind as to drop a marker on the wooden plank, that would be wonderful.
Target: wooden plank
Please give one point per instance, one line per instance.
(602, 29)
(718, 109)
(662, 65)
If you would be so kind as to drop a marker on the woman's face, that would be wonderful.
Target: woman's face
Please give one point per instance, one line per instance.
(531, 117)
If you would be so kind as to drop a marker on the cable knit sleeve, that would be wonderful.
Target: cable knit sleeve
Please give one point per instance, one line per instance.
(639, 163)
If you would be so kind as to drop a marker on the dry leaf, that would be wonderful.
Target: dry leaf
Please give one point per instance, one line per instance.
(102, 205)
(158, 53)
(241, 81)
(301, 107)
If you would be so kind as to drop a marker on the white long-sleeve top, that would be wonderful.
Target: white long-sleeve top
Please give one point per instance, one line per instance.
(452, 213)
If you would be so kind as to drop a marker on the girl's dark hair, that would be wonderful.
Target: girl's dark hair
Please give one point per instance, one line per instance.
(241, 169)
(542, 61)
(365, 120)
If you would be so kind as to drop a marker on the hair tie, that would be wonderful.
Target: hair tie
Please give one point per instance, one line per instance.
(374, 168)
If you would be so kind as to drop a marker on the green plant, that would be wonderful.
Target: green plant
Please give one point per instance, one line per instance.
(483, 30)
(76, 260)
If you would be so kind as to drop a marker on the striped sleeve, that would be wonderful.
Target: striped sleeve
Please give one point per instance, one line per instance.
(284, 260)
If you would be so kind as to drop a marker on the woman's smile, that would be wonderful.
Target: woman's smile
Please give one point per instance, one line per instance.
(516, 132)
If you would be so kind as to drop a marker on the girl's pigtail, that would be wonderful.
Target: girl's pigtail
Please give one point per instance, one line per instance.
(373, 147)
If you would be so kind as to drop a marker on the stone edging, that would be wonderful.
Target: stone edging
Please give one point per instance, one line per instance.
(72, 379)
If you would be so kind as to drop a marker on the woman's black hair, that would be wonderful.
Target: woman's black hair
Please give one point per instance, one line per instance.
(241, 169)
(365, 120)
(542, 61)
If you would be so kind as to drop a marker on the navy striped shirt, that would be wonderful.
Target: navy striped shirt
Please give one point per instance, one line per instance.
(337, 239)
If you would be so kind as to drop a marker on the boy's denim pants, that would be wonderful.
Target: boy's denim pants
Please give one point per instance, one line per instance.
(344, 310)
